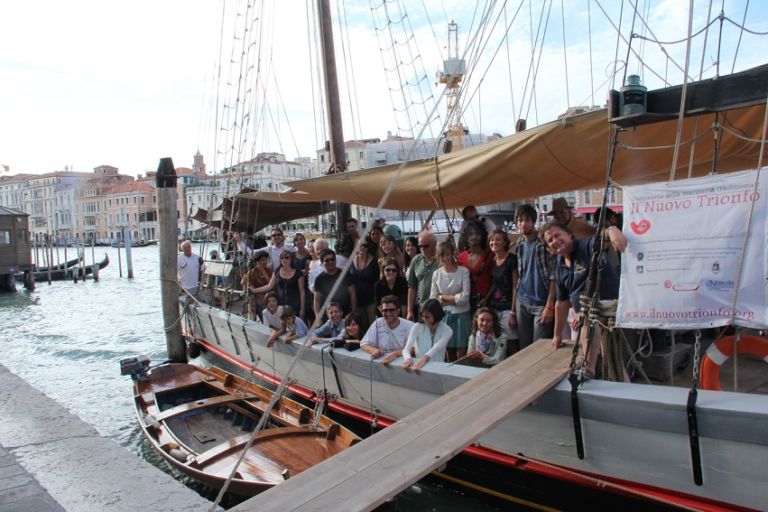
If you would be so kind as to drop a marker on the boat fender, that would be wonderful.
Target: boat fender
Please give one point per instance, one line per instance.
(722, 350)
(178, 454)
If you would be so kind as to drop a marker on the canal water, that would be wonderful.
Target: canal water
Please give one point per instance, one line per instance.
(66, 339)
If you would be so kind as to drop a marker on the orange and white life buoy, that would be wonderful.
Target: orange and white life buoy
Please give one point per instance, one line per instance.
(720, 351)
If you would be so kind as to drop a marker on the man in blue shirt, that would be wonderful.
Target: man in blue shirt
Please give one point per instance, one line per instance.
(534, 302)
(573, 261)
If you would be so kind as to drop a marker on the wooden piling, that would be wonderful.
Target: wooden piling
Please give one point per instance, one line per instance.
(95, 266)
(128, 257)
(167, 216)
(119, 259)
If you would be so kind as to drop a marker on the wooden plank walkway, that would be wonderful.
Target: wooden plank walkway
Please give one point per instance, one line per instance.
(369, 473)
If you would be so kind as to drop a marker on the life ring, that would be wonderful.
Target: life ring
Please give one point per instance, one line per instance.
(720, 351)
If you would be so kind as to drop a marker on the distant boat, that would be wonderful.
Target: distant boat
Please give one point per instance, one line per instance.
(63, 274)
(137, 243)
(199, 420)
(66, 264)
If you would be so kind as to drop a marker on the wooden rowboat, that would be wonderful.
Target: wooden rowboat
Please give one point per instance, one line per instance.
(199, 420)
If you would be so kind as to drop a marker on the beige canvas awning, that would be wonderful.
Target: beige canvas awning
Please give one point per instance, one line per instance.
(564, 155)
(256, 210)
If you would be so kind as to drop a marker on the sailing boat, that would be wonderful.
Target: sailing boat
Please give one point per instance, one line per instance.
(636, 438)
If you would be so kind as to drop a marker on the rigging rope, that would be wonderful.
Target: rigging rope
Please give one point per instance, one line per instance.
(741, 33)
(565, 55)
(681, 117)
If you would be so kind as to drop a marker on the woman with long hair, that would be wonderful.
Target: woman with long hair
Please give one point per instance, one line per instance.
(411, 249)
(301, 257)
(478, 259)
(504, 276)
(364, 272)
(389, 249)
(289, 282)
(393, 283)
(487, 344)
(451, 288)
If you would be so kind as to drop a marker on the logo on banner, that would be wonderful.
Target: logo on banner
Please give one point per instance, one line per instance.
(640, 228)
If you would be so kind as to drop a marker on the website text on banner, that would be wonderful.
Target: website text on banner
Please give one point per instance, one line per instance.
(686, 240)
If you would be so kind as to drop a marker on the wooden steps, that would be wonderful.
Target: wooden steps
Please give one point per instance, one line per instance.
(367, 474)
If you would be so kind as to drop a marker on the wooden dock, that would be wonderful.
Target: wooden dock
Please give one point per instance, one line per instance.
(369, 473)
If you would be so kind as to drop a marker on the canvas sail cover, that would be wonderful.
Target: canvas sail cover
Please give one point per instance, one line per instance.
(569, 154)
(251, 211)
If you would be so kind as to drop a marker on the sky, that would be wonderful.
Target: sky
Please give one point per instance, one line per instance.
(86, 83)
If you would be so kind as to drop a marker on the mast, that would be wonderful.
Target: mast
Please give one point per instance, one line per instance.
(338, 160)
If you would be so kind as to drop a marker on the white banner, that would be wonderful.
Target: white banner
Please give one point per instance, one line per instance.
(686, 243)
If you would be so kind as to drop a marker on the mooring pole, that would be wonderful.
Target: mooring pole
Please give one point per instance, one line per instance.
(128, 256)
(169, 240)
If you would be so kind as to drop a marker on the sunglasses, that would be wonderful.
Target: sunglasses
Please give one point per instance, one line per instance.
(276, 234)
(423, 246)
(329, 260)
(285, 257)
(388, 310)
(390, 270)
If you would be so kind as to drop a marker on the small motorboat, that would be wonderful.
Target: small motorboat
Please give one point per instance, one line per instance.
(199, 420)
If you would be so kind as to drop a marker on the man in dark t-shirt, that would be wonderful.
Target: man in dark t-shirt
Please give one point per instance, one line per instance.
(573, 260)
(345, 294)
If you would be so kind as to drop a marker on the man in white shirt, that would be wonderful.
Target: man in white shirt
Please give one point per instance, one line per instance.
(278, 246)
(387, 335)
(188, 268)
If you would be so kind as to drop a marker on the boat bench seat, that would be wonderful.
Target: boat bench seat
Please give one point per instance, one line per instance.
(201, 404)
(237, 443)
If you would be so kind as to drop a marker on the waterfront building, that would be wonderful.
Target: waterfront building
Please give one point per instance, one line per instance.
(49, 201)
(132, 207)
(90, 204)
(12, 189)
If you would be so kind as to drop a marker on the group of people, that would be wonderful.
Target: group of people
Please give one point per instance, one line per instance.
(475, 301)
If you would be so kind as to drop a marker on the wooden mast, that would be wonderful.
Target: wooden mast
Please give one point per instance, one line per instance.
(337, 153)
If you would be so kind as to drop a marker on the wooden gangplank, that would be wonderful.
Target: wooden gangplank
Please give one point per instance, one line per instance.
(367, 474)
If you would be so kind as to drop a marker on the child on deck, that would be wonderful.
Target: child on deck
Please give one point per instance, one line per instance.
(487, 344)
(293, 327)
(272, 312)
(350, 337)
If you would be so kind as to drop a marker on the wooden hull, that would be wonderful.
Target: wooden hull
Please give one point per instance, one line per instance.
(636, 436)
(199, 420)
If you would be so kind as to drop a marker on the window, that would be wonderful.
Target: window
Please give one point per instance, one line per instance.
(5, 237)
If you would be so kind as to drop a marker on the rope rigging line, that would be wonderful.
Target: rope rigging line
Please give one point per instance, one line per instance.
(591, 66)
(618, 36)
(565, 55)
(538, 64)
(509, 67)
(467, 99)
(354, 105)
(679, 131)
(629, 45)
(701, 74)
(745, 29)
(683, 40)
(741, 33)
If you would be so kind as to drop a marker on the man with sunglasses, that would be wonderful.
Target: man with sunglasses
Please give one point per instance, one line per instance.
(345, 295)
(388, 334)
(420, 273)
(277, 247)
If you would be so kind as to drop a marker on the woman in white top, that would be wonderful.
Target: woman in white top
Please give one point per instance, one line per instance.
(451, 288)
(428, 339)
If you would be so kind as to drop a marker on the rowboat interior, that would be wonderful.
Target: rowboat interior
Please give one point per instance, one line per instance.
(200, 420)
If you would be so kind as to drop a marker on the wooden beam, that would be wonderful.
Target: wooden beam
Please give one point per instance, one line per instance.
(369, 473)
